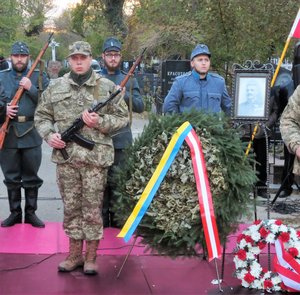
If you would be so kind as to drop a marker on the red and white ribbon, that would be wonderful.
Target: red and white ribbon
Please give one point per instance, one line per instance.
(287, 267)
(204, 196)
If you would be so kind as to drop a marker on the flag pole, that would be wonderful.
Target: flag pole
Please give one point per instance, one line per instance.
(280, 60)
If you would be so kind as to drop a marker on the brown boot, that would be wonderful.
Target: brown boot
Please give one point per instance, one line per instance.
(90, 265)
(74, 259)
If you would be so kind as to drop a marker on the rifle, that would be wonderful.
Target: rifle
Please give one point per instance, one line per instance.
(71, 133)
(18, 95)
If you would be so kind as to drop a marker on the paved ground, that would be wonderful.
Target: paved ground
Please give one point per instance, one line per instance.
(50, 206)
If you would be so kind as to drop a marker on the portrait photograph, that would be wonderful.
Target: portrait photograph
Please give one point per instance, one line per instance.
(251, 91)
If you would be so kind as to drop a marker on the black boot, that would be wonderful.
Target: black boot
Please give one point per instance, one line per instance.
(14, 198)
(31, 195)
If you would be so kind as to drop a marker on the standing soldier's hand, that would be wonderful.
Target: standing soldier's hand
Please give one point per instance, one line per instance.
(25, 83)
(90, 119)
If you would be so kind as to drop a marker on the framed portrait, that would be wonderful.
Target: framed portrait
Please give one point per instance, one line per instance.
(251, 91)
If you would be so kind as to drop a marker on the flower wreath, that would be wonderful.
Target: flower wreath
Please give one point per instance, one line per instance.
(249, 245)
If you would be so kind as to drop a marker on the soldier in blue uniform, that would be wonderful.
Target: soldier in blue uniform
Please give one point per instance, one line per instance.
(20, 157)
(112, 60)
(198, 89)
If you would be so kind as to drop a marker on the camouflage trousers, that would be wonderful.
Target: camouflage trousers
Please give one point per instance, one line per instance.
(81, 187)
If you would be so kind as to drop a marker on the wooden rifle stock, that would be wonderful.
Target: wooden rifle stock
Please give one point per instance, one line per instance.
(18, 95)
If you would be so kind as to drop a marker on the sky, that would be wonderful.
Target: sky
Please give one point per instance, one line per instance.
(60, 5)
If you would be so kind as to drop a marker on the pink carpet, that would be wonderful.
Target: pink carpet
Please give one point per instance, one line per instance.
(25, 239)
(33, 254)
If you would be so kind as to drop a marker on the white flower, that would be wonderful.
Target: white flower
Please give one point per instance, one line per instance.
(258, 284)
(255, 236)
(243, 244)
(274, 228)
(276, 280)
(255, 269)
(239, 263)
(250, 256)
(255, 250)
(245, 284)
(283, 228)
(241, 274)
(267, 275)
(270, 238)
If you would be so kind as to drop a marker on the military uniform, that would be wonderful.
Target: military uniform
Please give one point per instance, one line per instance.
(62, 103)
(190, 91)
(289, 126)
(20, 157)
(123, 137)
(82, 177)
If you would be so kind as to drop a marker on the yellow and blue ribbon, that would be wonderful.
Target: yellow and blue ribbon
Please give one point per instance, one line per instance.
(155, 181)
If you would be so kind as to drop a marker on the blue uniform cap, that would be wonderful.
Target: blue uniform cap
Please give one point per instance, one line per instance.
(112, 44)
(200, 49)
(20, 48)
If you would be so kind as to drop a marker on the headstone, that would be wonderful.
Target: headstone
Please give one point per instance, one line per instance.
(170, 69)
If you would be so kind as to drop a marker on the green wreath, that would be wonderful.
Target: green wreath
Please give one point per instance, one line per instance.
(172, 224)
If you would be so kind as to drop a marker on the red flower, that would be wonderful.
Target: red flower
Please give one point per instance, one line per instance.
(293, 251)
(240, 237)
(268, 284)
(241, 254)
(249, 278)
(285, 237)
(248, 239)
(264, 270)
(257, 222)
(263, 232)
(298, 233)
(261, 245)
(278, 222)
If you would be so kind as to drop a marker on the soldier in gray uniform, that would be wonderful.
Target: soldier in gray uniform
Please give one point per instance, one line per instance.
(198, 89)
(20, 157)
(112, 60)
(82, 177)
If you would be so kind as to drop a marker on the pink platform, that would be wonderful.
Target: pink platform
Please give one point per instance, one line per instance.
(29, 257)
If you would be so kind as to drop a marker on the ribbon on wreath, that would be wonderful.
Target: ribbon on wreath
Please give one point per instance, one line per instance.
(287, 267)
(187, 133)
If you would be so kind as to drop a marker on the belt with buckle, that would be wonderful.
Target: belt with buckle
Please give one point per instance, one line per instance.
(22, 119)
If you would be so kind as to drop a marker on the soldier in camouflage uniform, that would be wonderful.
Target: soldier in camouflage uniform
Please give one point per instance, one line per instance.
(290, 128)
(81, 178)
(21, 155)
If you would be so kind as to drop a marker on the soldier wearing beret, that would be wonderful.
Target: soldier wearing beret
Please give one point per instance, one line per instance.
(198, 89)
(82, 177)
(20, 157)
(112, 58)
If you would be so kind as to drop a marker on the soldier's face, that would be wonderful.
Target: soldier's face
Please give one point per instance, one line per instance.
(201, 64)
(19, 62)
(112, 60)
(80, 63)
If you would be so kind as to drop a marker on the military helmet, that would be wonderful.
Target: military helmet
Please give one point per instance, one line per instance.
(200, 49)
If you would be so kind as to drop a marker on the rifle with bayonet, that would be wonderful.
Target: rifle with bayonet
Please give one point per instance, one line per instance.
(19, 93)
(71, 133)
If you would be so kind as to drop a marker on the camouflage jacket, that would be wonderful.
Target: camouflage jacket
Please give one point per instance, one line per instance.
(64, 101)
(290, 126)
